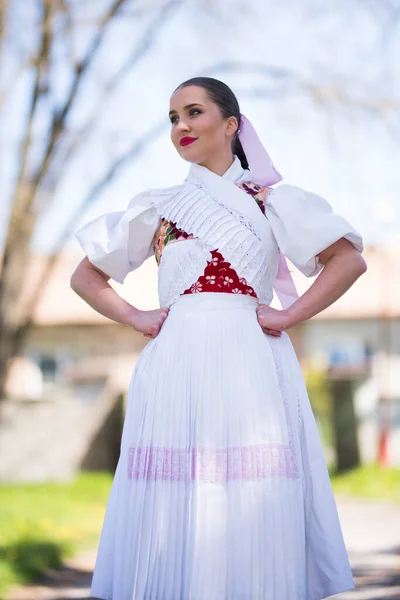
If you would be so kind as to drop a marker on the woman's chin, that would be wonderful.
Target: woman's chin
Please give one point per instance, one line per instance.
(190, 154)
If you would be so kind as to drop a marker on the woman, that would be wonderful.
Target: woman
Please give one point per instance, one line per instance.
(221, 490)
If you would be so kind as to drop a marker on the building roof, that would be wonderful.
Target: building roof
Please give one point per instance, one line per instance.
(376, 293)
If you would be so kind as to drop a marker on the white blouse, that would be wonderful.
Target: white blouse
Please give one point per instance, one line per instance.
(119, 242)
(302, 225)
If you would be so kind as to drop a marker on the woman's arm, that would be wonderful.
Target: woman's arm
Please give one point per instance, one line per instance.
(91, 284)
(343, 265)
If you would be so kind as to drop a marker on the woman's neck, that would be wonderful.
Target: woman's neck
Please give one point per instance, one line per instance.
(219, 164)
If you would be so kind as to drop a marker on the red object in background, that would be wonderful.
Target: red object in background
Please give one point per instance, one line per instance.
(383, 447)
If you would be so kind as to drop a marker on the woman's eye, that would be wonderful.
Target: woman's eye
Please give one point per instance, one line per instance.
(192, 113)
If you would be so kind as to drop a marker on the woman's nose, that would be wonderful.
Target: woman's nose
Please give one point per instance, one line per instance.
(182, 126)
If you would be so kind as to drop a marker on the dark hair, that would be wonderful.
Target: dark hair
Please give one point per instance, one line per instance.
(228, 104)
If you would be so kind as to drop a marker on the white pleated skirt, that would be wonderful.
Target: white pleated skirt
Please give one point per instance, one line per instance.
(221, 490)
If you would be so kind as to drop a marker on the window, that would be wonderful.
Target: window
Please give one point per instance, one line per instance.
(48, 366)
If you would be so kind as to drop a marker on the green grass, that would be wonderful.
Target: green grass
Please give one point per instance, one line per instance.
(42, 524)
(369, 481)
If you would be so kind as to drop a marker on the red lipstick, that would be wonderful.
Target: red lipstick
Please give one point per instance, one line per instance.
(185, 141)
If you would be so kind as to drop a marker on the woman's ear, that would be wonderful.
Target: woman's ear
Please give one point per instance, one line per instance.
(231, 126)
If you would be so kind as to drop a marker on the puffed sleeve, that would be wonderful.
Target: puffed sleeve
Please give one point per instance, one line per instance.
(119, 242)
(304, 224)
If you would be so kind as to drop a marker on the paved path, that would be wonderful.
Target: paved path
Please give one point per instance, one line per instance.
(372, 535)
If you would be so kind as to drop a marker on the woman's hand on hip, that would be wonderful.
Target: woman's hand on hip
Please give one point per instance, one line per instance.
(149, 322)
(272, 321)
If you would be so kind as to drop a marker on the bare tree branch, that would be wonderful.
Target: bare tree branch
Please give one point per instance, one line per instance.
(136, 149)
(15, 313)
(147, 39)
(166, 12)
(22, 196)
(286, 82)
(65, 10)
(60, 117)
(3, 19)
(134, 152)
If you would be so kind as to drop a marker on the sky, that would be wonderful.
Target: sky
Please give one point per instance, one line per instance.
(309, 76)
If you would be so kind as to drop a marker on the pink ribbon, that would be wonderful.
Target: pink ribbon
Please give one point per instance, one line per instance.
(261, 166)
(284, 285)
(264, 173)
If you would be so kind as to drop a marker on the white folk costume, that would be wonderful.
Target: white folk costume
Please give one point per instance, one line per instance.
(221, 490)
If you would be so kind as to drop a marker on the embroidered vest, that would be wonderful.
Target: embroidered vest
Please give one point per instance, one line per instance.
(218, 275)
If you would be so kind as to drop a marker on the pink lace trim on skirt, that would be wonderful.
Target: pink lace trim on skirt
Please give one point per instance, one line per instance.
(206, 464)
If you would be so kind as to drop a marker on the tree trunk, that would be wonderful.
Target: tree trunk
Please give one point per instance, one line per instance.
(344, 425)
(12, 342)
(15, 313)
(32, 191)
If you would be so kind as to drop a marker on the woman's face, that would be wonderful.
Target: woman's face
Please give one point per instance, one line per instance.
(198, 130)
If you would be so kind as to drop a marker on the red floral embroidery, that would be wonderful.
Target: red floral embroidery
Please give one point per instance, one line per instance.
(259, 193)
(167, 232)
(219, 276)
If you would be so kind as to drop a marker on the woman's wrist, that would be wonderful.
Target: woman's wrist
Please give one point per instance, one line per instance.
(291, 316)
(130, 315)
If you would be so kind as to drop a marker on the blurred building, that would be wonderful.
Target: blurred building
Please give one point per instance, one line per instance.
(358, 337)
(67, 394)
